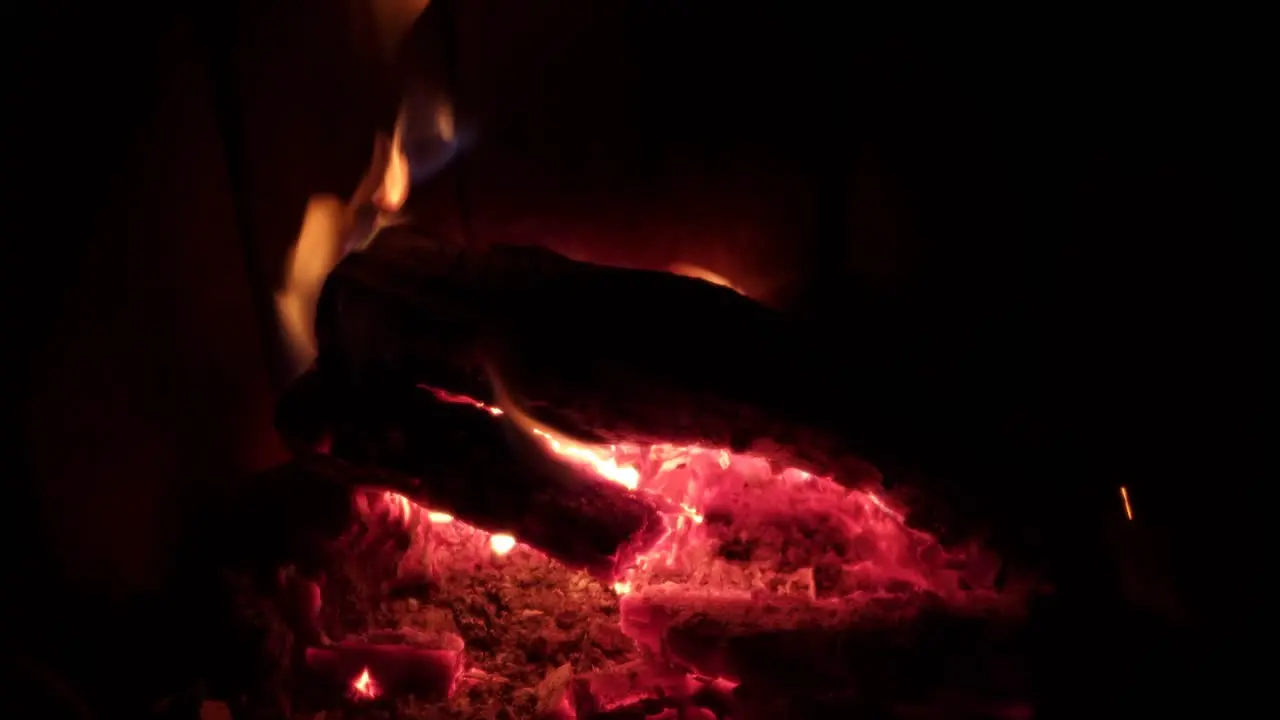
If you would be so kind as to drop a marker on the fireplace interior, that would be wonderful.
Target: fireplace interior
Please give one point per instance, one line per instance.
(583, 360)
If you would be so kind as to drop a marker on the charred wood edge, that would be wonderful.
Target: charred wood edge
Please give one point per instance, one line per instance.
(479, 468)
(645, 687)
(397, 669)
(821, 646)
(409, 309)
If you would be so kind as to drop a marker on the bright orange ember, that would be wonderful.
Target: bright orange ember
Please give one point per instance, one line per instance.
(363, 686)
(740, 524)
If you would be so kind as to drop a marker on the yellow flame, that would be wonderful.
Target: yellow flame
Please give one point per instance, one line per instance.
(316, 251)
(595, 457)
(394, 190)
(439, 518)
(501, 543)
(363, 685)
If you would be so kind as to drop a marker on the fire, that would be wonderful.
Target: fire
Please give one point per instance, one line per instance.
(502, 543)
(599, 460)
(316, 251)
(439, 518)
(363, 686)
(1124, 495)
(739, 523)
(394, 190)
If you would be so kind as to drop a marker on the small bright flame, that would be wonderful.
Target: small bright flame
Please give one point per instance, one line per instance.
(622, 587)
(439, 518)
(704, 274)
(394, 189)
(606, 467)
(502, 543)
(1124, 495)
(364, 687)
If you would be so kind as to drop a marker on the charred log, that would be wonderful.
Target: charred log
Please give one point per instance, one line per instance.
(888, 648)
(476, 466)
(600, 353)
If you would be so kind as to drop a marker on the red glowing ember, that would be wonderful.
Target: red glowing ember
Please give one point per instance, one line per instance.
(368, 670)
(735, 522)
(611, 532)
(363, 687)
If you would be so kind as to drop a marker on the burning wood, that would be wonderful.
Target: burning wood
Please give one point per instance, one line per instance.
(450, 388)
(562, 338)
(476, 467)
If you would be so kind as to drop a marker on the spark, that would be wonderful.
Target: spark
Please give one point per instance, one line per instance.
(1124, 495)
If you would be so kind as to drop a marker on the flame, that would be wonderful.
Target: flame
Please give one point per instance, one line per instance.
(694, 271)
(315, 252)
(363, 686)
(502, 543)
(445, 126)
(394, 190)
(439, 518)
(1124, 495)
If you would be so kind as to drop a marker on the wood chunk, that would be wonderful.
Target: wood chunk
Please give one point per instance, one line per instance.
(599, 353)
(459, 459)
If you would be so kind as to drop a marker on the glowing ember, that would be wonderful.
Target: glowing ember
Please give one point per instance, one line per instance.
(740, 524)
(502, 543)
(363, 686)
(1124, 495)
(439, 518)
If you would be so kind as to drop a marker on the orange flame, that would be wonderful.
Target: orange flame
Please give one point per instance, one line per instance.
(1124, 495)
(394, 190)
(502, 543)
(363, 686)
(701, 273)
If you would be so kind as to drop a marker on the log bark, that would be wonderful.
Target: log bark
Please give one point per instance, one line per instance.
(600, 353)
(895, 647)
(459, 459)
(395, 669)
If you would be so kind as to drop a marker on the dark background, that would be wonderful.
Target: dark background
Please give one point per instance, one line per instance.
(1023, 225)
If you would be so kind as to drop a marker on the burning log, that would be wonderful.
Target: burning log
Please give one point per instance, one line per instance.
(477, 467)
(883, 646)
(368, 670)
(600, 353)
